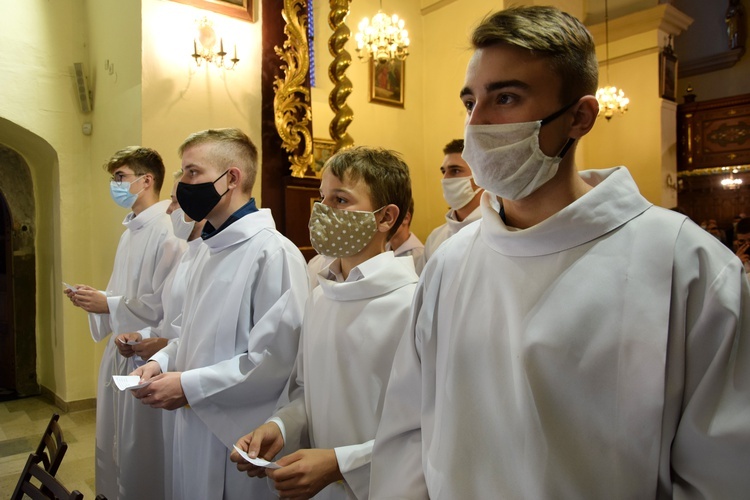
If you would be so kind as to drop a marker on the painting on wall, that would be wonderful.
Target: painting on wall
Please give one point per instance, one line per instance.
(241, 9)
(322, 150)
(668, 74)
(387, 82)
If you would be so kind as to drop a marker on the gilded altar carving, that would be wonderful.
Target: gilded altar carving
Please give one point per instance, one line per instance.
(343, 114)
(291, 104)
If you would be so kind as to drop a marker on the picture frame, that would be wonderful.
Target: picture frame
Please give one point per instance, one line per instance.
(240, 9)
(322, 150)
(387, 82)
(668, 74)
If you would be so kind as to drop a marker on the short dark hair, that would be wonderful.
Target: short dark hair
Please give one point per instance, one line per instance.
(384, 173)
(743, 226)
(232, 148)
(141, 161)
(455, 146)
(551, 33)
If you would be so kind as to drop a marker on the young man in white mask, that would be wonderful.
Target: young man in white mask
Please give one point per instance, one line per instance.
(128, 450)
(461, 194)
(353, 323)
(239, 329)
(578, 342)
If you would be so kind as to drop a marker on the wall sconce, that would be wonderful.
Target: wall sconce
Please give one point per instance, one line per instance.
(204, 45)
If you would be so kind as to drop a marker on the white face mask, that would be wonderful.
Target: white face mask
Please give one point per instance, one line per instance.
(181, 227)
(506, 160)
(458, 191)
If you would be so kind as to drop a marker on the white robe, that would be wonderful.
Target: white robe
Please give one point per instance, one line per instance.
(602, 353)
(240, 332)
(173, 298)
(129, 434)
(350, 334)
(442, 233)
(413, 248)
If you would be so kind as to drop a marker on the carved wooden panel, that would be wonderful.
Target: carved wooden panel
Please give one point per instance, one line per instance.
(714, 133)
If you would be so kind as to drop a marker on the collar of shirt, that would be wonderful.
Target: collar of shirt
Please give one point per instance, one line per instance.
(247, 208)
(333, 273)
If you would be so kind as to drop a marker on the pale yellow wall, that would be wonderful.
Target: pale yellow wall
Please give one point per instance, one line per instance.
(180, 98)
(40, 41)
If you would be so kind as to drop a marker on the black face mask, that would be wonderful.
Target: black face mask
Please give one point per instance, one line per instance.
(197, 200)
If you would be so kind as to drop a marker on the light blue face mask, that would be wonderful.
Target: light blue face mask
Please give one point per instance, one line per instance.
(121, 194)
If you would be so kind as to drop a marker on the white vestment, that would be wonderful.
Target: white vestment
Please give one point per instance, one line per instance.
(238, 342)
(129, 434)
(602, 353)
(350, 334)
(451, 227)
(173, 298)
(413, 248)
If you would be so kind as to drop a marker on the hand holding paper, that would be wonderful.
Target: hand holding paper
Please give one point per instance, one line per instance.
(259, 462)
(124, 382)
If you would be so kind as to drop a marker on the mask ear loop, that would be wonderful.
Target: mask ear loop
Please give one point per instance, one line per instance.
(556, 115)
(217, 180)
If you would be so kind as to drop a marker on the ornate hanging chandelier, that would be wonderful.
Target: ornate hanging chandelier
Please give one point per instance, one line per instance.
(611, 99)
(383, 39)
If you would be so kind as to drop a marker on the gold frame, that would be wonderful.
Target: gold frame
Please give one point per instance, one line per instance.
(378, 93)
(226, 7)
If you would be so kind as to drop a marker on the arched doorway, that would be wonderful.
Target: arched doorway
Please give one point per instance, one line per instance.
(7, 333)
(18, 297)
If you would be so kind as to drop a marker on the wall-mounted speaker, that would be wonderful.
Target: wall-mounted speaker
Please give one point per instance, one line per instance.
(84, 95)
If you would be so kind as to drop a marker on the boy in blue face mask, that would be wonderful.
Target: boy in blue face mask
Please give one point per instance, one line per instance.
(577, 342)
(127, 433)
(353, 322)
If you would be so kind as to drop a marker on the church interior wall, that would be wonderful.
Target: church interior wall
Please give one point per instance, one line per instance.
(147, 91)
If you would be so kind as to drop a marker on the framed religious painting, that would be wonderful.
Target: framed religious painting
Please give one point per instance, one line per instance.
(241, 9)
(668, 74)
(387, 82)
(322, 150)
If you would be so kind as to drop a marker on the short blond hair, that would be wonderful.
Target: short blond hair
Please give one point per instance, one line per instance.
(551, 33)
(232, 148)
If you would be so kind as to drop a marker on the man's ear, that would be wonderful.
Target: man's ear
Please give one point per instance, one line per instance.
(234, 177)
(584, 117)
(386, 218)
(148, 181)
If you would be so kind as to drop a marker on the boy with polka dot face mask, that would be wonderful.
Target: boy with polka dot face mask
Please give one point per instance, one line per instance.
(358, 313)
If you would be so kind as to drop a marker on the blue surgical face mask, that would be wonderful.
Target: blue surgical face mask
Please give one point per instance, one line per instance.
(121, 194)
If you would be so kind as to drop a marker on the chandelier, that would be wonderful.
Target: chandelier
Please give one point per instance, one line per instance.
(731, 182)
(203, 47)
(611, 99)
(383, 39)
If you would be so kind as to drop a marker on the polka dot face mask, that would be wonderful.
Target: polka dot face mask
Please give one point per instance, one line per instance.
(340, 233)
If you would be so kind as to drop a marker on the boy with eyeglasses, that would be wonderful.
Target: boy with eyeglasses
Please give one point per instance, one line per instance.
(128, 450)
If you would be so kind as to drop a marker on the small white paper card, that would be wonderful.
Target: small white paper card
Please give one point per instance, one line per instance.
(257, 461)
(124, 382)
(70, 287)
(129, 342)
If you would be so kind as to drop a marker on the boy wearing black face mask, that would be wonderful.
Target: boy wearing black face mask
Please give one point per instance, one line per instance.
(353, 323)
(577, 342)
(240, 323)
